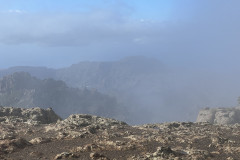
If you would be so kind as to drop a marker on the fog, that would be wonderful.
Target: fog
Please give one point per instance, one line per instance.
(197, 41)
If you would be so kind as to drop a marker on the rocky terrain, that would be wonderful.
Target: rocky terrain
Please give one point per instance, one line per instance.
(222, 116)
(30, 134)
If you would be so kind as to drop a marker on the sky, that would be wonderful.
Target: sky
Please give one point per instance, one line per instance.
(200, 34)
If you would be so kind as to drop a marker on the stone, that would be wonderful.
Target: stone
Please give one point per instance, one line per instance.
(9, 146)
(40, 140)
(65, 155)
(28, 115)
(98, 156)
(222, 116)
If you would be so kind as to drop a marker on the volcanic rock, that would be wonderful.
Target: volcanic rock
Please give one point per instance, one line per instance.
(89, 137)
(28, 115)
(219, 115)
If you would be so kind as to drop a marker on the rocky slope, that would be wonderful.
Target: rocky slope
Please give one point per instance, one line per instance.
(88, 137)
(22, 90)
(222, 116)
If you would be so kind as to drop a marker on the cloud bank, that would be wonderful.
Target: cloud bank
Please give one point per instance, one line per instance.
(196, 32)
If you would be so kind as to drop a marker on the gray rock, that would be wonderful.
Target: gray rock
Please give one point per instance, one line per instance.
(30, 115)
(206, 115)
(65, 155)
(223, 116)
(84, 120)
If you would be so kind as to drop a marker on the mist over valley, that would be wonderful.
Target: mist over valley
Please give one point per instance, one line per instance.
(140, 90)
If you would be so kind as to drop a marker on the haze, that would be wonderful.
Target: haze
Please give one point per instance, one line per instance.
(196, 40)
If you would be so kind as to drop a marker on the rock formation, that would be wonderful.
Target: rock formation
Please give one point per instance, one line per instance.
(221, 116)
(88, 137)
(30, 115)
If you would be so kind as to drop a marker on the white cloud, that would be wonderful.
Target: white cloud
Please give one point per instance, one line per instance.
(16, 11)
(208, 33)
(71, 29)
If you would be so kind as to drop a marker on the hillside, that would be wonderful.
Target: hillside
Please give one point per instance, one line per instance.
(138, 83)
(39, 72)
(108, 76)
(22, 90)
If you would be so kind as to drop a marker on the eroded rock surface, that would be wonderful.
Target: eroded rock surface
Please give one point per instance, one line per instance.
(219, 115)
(88, 137)
(28, 115)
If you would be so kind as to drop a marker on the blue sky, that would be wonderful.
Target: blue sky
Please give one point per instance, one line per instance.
(140, 8)
(57, 33)
(19, 14)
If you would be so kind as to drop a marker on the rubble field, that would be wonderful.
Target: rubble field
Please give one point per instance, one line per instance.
(38, 134)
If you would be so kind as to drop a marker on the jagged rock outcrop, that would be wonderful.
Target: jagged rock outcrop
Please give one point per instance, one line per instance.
(221, 116)
(84, 120)
(79, 125)
(30, 115)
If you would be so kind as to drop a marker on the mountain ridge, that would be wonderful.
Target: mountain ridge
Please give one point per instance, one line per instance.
(131, 80)
(22, 90)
